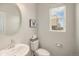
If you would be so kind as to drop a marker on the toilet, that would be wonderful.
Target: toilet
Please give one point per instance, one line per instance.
(42, 52)
(36, 51)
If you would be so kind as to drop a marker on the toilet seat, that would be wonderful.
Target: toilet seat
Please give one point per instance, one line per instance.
(42, 52)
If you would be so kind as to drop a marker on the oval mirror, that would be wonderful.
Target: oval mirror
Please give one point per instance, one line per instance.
(10, 18)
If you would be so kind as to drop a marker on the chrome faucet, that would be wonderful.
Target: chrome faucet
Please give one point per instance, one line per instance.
(12, 43)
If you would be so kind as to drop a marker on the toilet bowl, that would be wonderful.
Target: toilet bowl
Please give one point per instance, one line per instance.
(42, 52)
(36, 51)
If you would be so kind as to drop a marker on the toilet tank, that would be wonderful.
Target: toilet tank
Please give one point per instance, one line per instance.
(34, 44)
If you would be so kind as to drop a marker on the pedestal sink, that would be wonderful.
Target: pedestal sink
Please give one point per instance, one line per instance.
(17, 50)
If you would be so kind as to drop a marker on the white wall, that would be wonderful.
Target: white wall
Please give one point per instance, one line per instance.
(24, 34)
(77, 29)
(49, 39)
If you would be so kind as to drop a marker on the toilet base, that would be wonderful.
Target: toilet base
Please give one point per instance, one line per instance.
(41, 52)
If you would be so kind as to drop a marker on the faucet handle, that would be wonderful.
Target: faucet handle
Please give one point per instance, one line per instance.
(12, 41)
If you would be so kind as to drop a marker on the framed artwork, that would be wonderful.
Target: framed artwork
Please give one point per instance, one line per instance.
(57, 19)
(32, 23)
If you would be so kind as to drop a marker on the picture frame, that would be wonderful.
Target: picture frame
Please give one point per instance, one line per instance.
(57, 18)
(32, 23)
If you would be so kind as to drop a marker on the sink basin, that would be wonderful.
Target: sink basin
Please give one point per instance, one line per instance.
(17, 50)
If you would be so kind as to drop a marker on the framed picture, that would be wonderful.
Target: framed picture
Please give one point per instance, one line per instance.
(57, 19)
(32, 23)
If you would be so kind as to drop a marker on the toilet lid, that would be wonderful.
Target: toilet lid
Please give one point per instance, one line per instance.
(42, 52)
